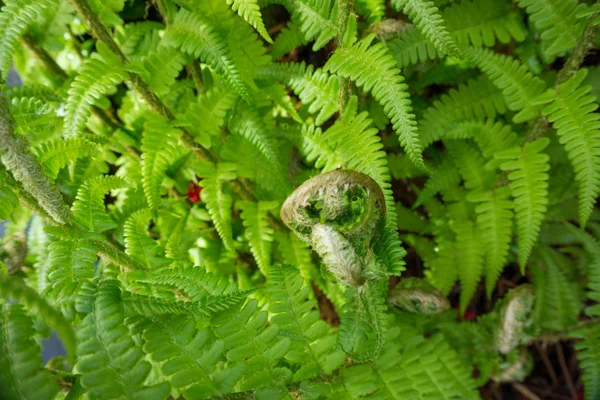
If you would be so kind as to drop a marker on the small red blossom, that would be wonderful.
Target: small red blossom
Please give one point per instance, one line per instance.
(193, 192)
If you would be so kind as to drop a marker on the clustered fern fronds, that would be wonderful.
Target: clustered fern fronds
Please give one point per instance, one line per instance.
(296, 198)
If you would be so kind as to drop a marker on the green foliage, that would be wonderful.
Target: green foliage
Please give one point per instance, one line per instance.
(429, 21)
(373, 68)
(22, 374)
(236, 201)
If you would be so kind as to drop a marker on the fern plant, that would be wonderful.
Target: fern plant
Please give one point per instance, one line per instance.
(299, 199)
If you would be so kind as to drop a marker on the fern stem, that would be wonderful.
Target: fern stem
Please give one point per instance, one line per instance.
(195, 72)
(584, 45)
(44, 58)
(15, 155)
(345, 89)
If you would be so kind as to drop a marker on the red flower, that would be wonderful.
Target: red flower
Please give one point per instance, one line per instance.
(193, 192)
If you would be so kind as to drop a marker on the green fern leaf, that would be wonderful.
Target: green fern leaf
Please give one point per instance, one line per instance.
(557, 298)
(97, 77)
(477, 99)
(22, 375)
(519, 86)
(158, 141)
(138, 38)
(15, 17)
(317, 19)
(288, 39)
(363, 321)
(557, 21)
(592, 247)
(588, 355)
(89, 209)
(427, 18)
(494, 222)
(14, 289)
(160, 68)
(258, 231)
(58, 153)
(470, 22)
(372, 10)
(139, 245)
(247, 122)
(110, 363)
(250, 340)
(217, 201)
(313, 87)
(194, 35)
(8, 200)
(572, 113)
(71, 261)
(207, 116)
(297, 317)
(470, 250)
(187, 355)
(250, 11)
(529, 185)
(373, 68)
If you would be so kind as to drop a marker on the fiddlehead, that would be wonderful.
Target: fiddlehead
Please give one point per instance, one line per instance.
(341, 214)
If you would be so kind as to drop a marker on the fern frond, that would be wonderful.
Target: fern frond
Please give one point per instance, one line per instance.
(139, 245)
(187, 355)
(572, 113)
(22, 375)
(494, 222)
(427, 18)
(588, 355)
(70, 262)
(58, 153)
(297, 316)
(207, 116)
(477, 99)
(258, 231)
(138, 38)
(471, 165)
(14, 289)
(217, 201)
(592, 247)
(160, 68)
(372, 10)
(477, 23)
(194, 35)
(557, 299)
(8, 200)
(288, 39)
(557, 21)
(250, 11)
(110, 363)
(529, 185)
(313, 87)
(250, 340)
(15, 18)
(89, 209)
(470, 250)
(363, 321)
(157, 144)
(519, 86)
(247, 122)
(373, 68)
(317, 19)
(297, 253)
(97, 77)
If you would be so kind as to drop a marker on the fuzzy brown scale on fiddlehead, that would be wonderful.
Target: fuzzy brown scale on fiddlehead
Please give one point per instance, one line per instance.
(341, 214)
(418, 296)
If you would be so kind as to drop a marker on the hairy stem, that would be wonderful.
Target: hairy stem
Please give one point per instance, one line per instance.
(572, 65)
(15, 155)
(44, 58)
(344, 9)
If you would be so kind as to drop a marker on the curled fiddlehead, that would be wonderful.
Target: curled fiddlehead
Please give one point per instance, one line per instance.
(341, 214)
(418, 296)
